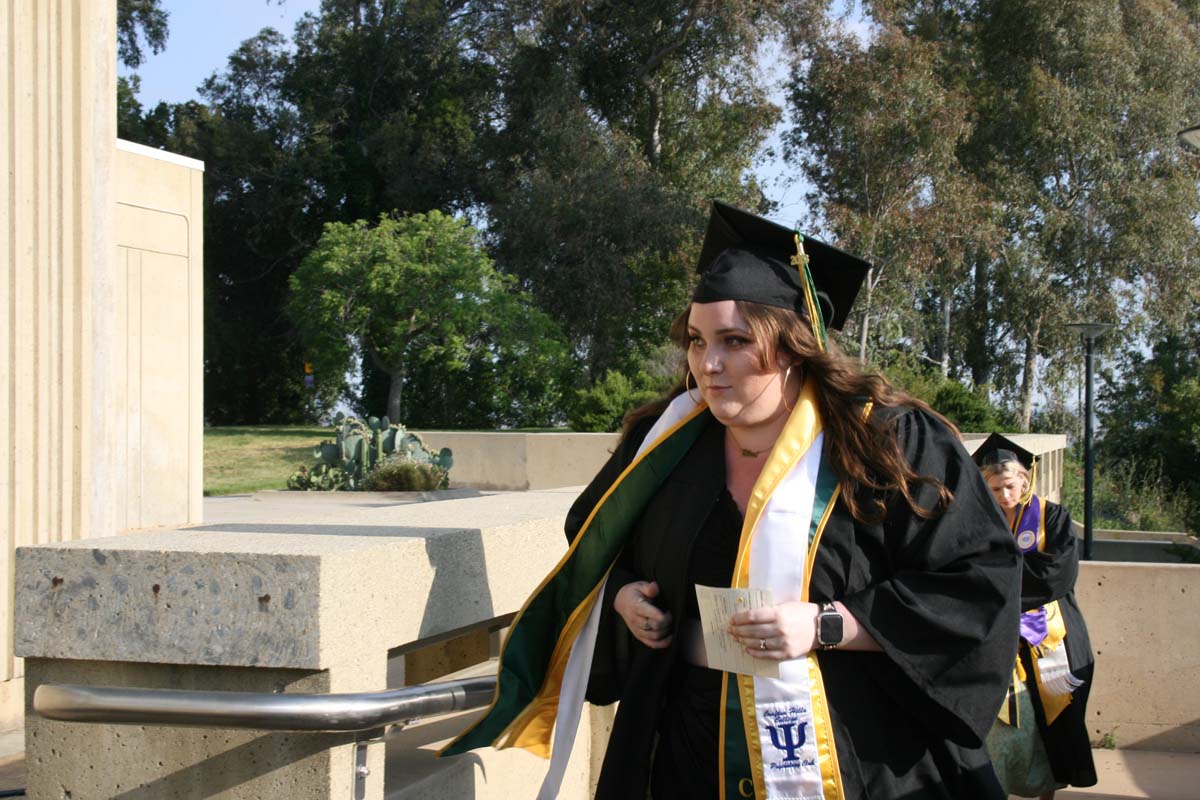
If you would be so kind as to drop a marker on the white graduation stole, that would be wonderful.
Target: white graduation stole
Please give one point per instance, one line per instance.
(783, 706)
(789, 734)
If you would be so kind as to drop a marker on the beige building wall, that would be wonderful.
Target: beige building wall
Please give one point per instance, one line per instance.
(100, 422)
(157, 317)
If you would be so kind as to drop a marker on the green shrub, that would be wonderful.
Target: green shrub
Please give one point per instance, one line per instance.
(319, 478)
(909, 374)
(969, 409)
(360, 449)
(402, 475)
(1126, 496)
(602, 407)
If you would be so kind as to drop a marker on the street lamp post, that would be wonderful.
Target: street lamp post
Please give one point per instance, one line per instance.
(1090, 331)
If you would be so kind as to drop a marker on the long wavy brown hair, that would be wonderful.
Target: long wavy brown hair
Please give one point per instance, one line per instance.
(866, 457)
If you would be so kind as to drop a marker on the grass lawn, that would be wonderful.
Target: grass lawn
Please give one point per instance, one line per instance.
(238, 460)
(247, 459)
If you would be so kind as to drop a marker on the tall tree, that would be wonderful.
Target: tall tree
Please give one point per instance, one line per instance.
(394, 99)
(1151, 416)
(375, 109)
(417, 291)
(876, 134)
(259, 222)
(619, 121)
(1078, 103)
(1055, 121)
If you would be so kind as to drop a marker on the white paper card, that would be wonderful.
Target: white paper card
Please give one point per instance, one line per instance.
(721, 650)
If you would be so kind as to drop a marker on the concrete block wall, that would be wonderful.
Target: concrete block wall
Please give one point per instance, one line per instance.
(520, 461)
(512, 461)
(1141, 620)
(157, 406)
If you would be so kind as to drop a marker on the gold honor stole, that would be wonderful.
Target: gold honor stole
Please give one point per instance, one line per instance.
(547, 655)
(777, 732)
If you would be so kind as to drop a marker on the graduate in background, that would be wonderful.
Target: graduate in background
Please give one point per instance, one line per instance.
(1040, 742)
(775, 464)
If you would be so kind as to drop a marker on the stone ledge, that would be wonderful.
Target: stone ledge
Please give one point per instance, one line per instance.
(298, 593)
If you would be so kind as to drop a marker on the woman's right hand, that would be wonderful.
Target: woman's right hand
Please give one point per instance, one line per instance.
(649, 625)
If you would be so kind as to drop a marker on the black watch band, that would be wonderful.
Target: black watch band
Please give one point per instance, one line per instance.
(830, 630)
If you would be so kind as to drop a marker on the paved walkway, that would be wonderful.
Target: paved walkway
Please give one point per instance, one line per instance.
(12, 760)
(285, 506)
(1141, 774)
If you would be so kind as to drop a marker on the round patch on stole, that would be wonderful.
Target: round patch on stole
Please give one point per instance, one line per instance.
(1025, 539)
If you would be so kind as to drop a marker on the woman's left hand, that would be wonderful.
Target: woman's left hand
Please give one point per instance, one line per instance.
(779, 633)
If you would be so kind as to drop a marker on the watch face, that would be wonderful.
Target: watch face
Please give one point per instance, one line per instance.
(831, 629)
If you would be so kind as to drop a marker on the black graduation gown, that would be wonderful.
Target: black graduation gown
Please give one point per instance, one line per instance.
(1047, 576)
(939, 595)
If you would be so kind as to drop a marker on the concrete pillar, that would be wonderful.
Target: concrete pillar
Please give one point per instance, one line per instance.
(101, 426)
(58, 118)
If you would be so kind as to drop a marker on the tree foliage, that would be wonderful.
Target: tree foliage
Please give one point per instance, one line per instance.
(292, 140)
(138, 19)
(586, 137)
(393, 100)
(618, 122)
(603, 407)
(419, 291)
(1080, 102)
(1006, 165)
(877, 133)
(1151, 415)
(1013, 166)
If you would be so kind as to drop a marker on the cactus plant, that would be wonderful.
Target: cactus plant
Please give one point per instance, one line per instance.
(361, 447)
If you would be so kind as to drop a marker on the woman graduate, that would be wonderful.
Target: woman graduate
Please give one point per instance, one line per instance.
(784, 469)
(1040, 742)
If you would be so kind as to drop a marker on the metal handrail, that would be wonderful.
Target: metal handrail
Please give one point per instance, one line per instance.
(278, 712)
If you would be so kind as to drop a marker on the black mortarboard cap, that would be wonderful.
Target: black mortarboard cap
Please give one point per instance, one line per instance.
(997, 449)
(746, 257)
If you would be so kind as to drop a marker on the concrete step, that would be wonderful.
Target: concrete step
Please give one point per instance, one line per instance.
(1139, 774)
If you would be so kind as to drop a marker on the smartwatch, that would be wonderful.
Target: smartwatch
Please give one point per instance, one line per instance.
(829, 627)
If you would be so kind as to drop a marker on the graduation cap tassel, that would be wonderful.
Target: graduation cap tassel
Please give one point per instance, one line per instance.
(1032, 482)
(800, 261)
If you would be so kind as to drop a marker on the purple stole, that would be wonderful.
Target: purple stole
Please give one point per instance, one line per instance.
(1031, 537)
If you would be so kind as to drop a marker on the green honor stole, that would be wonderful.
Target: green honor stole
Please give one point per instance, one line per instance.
(777, 732)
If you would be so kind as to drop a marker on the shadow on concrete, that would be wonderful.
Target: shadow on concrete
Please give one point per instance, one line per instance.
(459, 594)
(236, 766)
(1167, 764)
(412, 764)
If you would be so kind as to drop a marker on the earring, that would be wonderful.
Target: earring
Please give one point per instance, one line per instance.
(786, 375)
(688, 389)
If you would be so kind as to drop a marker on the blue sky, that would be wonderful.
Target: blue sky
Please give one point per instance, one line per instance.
(204, 32)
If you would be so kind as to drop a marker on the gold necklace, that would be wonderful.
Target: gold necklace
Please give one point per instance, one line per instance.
(745, 451)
